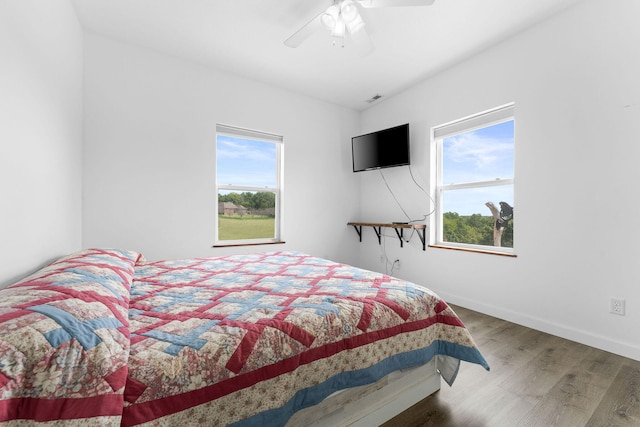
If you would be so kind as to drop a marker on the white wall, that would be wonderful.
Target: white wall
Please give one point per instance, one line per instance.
(574, 81)
(150, 123)
(40, 134)
(148, 175)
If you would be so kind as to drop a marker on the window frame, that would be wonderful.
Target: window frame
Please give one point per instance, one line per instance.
(249, 134)
(494, 116)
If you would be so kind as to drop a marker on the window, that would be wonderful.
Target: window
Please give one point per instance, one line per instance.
(474, 163)
(248, 186)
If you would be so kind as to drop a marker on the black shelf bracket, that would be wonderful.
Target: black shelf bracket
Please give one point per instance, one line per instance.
(358, 229)
(400, 233)
(378, 231)
(422, 238)
(398, 227)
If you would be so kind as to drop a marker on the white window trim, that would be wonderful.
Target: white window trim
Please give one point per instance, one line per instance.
(237, 132)
(484, 119)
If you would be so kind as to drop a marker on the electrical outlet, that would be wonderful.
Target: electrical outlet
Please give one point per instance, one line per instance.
(396, 264)
(617, 306)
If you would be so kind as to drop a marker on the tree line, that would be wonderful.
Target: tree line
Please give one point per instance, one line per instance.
(253, 201)
(474, 229)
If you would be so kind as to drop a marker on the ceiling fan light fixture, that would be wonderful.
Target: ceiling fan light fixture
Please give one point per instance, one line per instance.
(355, 25)
(348, 11)
(339, 29)
(331, 17)
(342, 17)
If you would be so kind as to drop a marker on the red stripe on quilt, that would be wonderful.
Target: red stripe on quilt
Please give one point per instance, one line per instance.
(147, 411)
(133, 390)
(245, 348)
(243, 351)
(441, 306)
(14, 315)
(295, 332)
(117, 379)
(35, 409)
(397, 308)
(86, 296)
(137, 339)
(366, 316)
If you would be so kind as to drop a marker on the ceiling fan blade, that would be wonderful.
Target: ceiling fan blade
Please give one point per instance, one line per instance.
(362, 42)
(304, 32)
(394, 3)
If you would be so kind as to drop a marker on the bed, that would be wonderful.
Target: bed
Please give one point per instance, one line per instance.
(103, 337)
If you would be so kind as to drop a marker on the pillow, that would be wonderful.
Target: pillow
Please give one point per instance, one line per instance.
(64, 340)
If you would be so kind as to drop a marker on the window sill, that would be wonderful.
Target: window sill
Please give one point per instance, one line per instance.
(227, 245)
(482, 251)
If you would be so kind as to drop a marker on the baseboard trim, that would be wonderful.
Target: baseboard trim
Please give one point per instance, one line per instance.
(578, 335)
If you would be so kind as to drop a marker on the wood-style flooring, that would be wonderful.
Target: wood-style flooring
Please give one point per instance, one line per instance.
(536, 379)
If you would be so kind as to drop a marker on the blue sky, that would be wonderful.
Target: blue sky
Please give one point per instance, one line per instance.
(481, 155)
(246, 162)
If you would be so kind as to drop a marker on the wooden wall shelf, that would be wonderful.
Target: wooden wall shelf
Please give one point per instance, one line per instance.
(398, 227)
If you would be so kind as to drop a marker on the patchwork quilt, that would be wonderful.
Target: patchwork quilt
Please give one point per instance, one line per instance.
(104, 337)
(64, 341)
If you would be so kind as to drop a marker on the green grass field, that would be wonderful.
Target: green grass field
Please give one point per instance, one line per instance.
(245, 227)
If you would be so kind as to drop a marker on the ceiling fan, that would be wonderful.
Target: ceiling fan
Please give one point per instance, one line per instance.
(343, 17)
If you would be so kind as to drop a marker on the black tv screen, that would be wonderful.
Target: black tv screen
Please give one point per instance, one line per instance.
(382, 149)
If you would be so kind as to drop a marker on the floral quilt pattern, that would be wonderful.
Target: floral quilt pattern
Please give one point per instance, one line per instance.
(104, 338)
(240, 336)
(64, 341)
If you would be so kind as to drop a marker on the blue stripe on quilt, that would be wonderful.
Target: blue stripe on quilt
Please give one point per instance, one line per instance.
(84, 276)
(314, 395)
(82, 331)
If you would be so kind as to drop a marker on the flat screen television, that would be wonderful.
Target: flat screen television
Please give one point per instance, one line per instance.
(382, 149)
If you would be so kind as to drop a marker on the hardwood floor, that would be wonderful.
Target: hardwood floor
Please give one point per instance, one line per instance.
(536, 379)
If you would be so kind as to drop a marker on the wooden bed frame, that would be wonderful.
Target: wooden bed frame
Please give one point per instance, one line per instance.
(373, 404)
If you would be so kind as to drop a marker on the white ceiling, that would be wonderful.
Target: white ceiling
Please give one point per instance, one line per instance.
(245, 37)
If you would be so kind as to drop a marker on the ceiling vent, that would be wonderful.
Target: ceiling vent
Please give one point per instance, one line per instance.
(374, 98)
